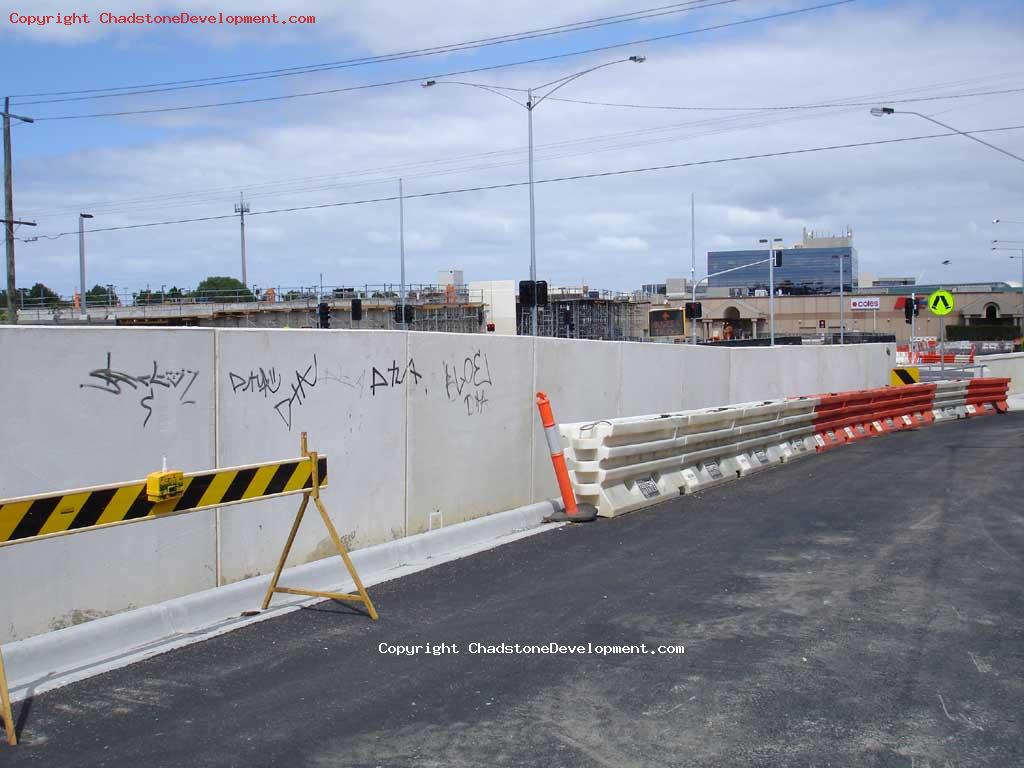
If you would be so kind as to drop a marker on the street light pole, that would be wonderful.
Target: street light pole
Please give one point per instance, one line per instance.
(1021, 257)
(533, 221)
(81, 263)
(532, 103)
(771, 285)
(693, 263)
(842, 301)
(401, 247)
(886, 111)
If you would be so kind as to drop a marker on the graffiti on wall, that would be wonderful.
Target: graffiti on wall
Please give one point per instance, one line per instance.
(157, 382)
(469, 382)
(293, 389)
(396, 375)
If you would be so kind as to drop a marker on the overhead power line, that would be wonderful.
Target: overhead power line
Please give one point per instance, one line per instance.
(558, 179)
(386, 174)
(826, 105)
(205, 82)
(474, 70)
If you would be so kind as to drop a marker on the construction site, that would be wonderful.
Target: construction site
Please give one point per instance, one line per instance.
(451, 308)
(581, 313)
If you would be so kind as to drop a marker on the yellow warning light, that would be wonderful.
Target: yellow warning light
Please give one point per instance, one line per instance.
(164, 485)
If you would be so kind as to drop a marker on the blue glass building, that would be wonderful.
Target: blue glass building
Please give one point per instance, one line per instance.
(809, 268)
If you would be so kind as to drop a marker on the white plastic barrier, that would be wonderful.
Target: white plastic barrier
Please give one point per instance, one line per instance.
(620, 465)
(950, 400)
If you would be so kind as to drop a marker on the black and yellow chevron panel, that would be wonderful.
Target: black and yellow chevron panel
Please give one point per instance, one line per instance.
(69, 511)
(905, 376)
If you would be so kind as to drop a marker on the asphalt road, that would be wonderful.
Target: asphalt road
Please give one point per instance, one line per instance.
(860, 608)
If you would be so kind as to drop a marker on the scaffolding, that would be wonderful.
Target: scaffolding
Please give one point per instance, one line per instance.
(599, 315)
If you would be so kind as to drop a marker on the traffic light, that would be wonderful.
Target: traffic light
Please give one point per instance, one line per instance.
(323, 311)
(533, 293)
(357, 310)
(542, 293)
(910, 310)
(408, 314)
(777, 257)
(693, 310)
(527, 293)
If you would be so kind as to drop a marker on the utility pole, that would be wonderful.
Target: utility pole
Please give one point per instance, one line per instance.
(8, 220)
(81, 266)
(242, 208)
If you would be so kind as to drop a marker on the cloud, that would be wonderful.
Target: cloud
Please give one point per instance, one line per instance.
(910, 205)
(620, 244)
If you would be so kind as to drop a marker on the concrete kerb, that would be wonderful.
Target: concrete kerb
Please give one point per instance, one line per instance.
(55, 659)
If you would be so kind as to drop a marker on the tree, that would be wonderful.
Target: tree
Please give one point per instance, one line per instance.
(40, 295)
(223, 289)
(100, 296)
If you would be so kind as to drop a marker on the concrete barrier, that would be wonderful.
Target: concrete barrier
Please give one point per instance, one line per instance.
(423, 430)
(1009, 366)
(91, 406)
(347, 390)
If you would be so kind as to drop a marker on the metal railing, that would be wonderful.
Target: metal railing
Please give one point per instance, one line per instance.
(416, 294)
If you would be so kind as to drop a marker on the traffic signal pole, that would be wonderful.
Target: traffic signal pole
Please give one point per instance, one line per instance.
(913, 317)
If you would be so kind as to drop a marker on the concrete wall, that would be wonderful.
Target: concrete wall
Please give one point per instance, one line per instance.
(421, 430)
(1010, 366)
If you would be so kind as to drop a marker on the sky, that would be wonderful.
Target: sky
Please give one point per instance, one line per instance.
(911, 205)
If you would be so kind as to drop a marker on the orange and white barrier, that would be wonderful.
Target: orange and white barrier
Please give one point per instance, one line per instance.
(619, 465)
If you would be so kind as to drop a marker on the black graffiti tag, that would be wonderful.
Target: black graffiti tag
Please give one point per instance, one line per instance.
(264, 382)
(119, 383)
(469, 382)
(298, 394)
(397, 376)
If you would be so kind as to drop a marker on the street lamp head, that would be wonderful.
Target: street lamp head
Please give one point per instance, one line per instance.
(638, 59)
(85, 215)
(882, 111)
(428, 83)
(995, 221)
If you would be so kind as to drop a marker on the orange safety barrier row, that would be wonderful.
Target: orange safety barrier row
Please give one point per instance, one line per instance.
(987, 396)
(935, 357)
(849, 416)
(844, 417)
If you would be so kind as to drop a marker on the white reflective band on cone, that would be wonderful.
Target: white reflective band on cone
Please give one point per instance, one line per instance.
(554, 441)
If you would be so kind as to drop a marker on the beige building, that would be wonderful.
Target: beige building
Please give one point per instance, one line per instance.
(811, 316)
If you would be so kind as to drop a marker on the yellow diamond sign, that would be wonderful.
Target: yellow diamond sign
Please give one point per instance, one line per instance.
(940, 303)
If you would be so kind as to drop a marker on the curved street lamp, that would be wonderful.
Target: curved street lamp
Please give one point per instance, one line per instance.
(532, 101)
(886, 111)
(1020, 255)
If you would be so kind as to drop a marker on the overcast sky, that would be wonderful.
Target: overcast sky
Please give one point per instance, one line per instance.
(911, 205)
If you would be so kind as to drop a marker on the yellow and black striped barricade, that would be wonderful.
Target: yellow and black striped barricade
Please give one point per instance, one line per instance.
(45, 515)
(905, 376)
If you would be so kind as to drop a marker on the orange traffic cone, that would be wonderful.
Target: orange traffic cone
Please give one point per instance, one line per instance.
(571, 511)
